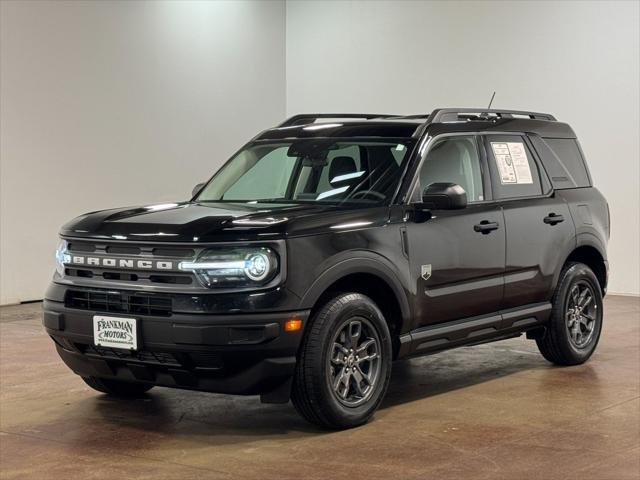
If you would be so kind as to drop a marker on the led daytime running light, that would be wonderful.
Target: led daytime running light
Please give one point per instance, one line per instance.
(237, 266)
(232, 264)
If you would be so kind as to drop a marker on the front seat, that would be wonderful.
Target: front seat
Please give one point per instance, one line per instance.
(339, 167)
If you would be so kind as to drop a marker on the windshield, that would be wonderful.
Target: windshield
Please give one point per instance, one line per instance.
(310, 170)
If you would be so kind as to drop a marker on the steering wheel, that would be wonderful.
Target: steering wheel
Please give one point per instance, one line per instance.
(369, 193)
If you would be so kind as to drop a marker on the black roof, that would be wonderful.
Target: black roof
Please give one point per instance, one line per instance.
(443, 120)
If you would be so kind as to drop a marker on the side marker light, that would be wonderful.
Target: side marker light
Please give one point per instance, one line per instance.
(292, 325)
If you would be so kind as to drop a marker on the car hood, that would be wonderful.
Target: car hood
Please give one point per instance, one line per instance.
(210, 222)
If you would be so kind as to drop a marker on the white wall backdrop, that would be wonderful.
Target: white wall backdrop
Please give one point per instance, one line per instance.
(577, 60)
(108, 104)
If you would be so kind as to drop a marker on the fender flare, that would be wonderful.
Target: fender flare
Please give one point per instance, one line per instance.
(359, 262)
(582, 240)
(591, 240)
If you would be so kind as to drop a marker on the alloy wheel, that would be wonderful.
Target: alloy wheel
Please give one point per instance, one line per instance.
(354, 362)
(581, 314)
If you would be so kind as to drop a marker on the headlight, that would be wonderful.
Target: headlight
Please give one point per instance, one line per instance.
(234, 267)
(62, 256)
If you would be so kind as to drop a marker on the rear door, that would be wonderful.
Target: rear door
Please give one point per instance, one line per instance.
(539, 229)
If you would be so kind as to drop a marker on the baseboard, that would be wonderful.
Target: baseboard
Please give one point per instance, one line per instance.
(24, 302)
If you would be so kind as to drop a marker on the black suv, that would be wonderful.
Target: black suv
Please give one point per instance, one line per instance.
(332, 245)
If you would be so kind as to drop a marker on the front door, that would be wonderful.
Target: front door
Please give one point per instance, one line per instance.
(458, 256)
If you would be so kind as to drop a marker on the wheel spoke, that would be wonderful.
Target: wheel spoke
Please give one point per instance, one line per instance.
(338, 360)
(339, 354)
(341, 384)
(585, 301)
(338, 380)
(363, 375)
(575, 332)
(588, 324)
(358, 377)
(581, 297)
(355, 329)
(371, 356)
(337, 346)
(575, 294)
(365, 345)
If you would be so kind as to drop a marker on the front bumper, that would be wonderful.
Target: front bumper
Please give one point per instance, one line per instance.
(243, 354)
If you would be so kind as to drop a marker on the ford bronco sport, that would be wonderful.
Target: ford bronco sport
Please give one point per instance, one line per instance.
(332, 245)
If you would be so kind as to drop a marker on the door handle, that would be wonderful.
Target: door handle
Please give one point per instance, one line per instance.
(553, 219)
(485, 226)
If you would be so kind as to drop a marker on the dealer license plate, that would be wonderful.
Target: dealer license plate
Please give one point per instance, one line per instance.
(115, 332)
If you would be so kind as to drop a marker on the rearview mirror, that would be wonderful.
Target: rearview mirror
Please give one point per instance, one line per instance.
(197, 188)
(444, 196)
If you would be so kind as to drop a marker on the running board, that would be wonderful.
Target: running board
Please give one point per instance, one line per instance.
(474, 330)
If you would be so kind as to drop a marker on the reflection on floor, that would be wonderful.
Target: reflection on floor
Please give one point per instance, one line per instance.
(492, 411)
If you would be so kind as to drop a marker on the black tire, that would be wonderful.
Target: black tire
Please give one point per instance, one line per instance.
(313, 394)
(558, 344)
(117, 388)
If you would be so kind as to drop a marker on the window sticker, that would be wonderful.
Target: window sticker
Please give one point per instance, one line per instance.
(512, 161)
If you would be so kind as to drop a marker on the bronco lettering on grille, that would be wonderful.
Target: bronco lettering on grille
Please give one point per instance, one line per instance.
(122, 263)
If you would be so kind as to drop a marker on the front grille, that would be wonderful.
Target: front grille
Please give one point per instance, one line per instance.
(123, 249)
(123, 276)
(174, 252)
(203, 361)
(145, 356)
(83, 247)
(105, 274)
(119, 302)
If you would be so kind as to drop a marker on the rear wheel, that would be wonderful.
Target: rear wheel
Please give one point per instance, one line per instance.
(344, 363)
(576, 320)
(117, 388)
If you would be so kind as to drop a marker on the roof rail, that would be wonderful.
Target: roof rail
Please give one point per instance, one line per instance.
(440, 115)
(305, 118)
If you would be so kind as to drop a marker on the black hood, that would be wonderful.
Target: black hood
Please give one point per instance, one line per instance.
(201, 222)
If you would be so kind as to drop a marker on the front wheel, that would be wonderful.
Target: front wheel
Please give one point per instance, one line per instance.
(576, 318)
(344, 363)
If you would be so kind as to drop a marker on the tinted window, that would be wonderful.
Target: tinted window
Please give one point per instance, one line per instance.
(310, 170)
(454, 160)
(514, 171)
(265, 179)
(569, 160)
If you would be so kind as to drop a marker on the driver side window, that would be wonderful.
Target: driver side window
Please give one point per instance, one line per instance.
(454, 160)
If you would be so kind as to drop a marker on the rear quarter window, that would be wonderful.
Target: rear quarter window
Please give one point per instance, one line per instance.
(563, 161)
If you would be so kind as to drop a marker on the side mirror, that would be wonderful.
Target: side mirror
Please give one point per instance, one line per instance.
(444, 196)
(197, 188)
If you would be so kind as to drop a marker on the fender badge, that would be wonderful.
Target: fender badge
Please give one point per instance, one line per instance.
(426, 272)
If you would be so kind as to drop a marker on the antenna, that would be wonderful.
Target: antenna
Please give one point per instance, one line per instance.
(491, 101)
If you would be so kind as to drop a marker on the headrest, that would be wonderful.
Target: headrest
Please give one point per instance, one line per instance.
(341, 166)
(445, 152)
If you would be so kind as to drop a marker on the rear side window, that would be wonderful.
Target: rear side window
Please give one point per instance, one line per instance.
(514, 171)
(564, 163)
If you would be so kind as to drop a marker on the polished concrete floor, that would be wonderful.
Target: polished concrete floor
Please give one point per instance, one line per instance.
(496, 411)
